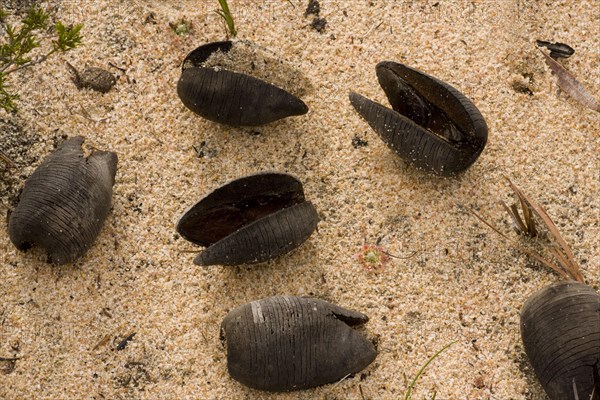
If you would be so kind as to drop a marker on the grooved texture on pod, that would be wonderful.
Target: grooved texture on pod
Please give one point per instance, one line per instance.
(431, 124)
(286, 343)
(264, 239)
(64, 202)
(230, 97)
(250, 220)
(560, 328)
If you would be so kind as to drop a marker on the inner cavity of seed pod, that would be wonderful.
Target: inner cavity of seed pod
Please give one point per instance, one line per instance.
(224, 219)
(248, 58)
(409, 102)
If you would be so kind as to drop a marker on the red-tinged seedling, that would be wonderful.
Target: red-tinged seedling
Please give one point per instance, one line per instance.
(373, 258)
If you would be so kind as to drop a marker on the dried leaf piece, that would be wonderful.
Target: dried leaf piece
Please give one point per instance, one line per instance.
(571, 85)
(313, 8)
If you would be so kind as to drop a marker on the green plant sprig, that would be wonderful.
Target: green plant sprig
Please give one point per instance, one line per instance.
(227, 17)
(18, 43)
(414, 381)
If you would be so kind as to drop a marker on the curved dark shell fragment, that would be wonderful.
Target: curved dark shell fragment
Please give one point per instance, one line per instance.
(250, 220)
(432, 125)
(229, 97)
(64, 202)
(286, 343)
(560, 328)
(557, 50)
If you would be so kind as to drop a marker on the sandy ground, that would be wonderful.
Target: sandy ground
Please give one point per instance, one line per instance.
(453, 280)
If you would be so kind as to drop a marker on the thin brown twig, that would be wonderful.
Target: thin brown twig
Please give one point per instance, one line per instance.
(28, 64)
(10, 358)
(6, 159)
(401, 258)
(102, 342)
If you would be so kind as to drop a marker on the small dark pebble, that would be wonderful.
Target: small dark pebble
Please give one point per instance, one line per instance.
(93, 78)
(97, 79)
(557, 49)
(319, 24)
(359, 142)
(125, 341)
(313, 8)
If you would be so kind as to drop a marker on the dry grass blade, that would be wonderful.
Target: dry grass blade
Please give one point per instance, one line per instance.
(529, 219)
(525, 226)
(530, 253)
(6, 159)
(560, 249)
(568, 83)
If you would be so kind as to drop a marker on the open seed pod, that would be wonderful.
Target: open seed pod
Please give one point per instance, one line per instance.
(560, 328)
(211, 86)
(250, 220)
(432, 125)
(286, 343)
(64, 202)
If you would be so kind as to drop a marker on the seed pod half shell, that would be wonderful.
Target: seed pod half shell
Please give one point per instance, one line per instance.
(432, 125)
(231, 97)
(64, 202)
(560, 328)
(250, 220)
(286, 343)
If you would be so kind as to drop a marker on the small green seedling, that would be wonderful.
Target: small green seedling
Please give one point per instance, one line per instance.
(17, 43)
(227, 17)
(182, 27)
(414, 381)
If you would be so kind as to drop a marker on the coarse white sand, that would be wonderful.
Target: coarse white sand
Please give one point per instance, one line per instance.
(452, 278)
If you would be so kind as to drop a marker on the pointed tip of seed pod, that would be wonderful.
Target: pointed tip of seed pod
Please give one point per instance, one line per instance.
(200, 260)
(356, 100)
(299, 107)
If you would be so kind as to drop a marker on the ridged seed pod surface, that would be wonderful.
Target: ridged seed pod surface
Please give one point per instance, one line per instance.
(64, 202)
(230, 97)
(286, 343)
(560, 328)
